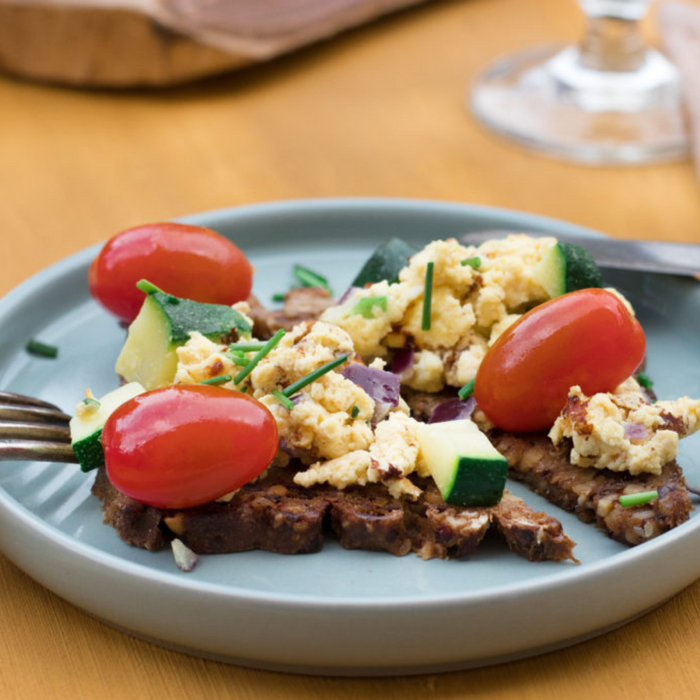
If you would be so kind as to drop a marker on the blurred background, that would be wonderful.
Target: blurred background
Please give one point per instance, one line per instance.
(378, 110)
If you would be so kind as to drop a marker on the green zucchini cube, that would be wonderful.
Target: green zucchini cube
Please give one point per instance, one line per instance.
(466, 467)
(566, 268)
(149, 355)
(385, 263)
(86, 429)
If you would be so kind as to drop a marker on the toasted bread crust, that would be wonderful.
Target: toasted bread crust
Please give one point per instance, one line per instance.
(593, 494)
(276, 515)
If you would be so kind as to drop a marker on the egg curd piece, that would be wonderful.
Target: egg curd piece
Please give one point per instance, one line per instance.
(449, 271)
(306, 348)
(427, 372)
(508, 265)
(321, 423)
(369, 330)
(200, 359)
(330, 416)
(623, 431)
(392, 455)
(461, 366)
(450, 321)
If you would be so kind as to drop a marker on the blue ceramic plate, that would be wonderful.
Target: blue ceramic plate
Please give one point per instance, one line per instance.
(342, 612)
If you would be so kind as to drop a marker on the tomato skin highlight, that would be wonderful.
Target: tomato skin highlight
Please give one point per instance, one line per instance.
(585, 338)
(185, 445)
(191, 262)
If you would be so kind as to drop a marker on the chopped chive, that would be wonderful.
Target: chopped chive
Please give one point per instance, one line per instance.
(644, 380)
(238, 360)
(474, 262)
(467, 390)
(428, 296)
(221, 379)
(148, 287)
(365, 307)
(309, 278)
(259, 356)
(36, 347)
(313, 376)
(638, 499)
(355, 411)
(249, 346)
(89, 401)
(286, 402)
(278, 296)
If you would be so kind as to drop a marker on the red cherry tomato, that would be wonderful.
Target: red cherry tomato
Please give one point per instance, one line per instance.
(181, 446)
(187, 261)
(586, 337)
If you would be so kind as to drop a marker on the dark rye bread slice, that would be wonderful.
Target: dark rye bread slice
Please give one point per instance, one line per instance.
(301, 304)
(592, 494)
(276, 515)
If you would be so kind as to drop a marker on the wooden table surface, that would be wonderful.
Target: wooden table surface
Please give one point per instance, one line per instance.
(377, 112)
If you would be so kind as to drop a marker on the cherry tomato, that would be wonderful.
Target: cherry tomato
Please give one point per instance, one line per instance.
(187, 261)
(181, 446)
(586, 337)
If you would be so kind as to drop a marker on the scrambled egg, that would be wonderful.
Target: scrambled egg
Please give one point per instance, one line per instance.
(331, 424)
(622, 431)
(471, 306)
(334, 426)
(392, 456)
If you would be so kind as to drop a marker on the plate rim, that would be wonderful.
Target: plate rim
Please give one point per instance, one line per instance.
(559, 578)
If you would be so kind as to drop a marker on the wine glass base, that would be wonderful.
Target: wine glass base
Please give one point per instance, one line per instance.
(543, 98)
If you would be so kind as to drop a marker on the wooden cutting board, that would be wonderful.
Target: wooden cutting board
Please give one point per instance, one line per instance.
(127, 43)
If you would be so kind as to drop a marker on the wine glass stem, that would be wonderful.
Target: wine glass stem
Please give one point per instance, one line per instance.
(612, 44)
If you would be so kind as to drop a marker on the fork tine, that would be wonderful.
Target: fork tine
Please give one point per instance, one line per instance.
(37, 414)
(36, 451)
(9, 397)
(34, 431)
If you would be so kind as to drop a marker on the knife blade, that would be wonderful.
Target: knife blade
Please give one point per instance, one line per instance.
(672, 258)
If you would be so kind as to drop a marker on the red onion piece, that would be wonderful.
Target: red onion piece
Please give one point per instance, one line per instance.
(383, 387)
(346, 295)
(453, 409)
(636, 431)
(402, 360)
(185, 558)
(292, 451)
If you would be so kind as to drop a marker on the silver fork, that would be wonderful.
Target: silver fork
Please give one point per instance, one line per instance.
(31, 429)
